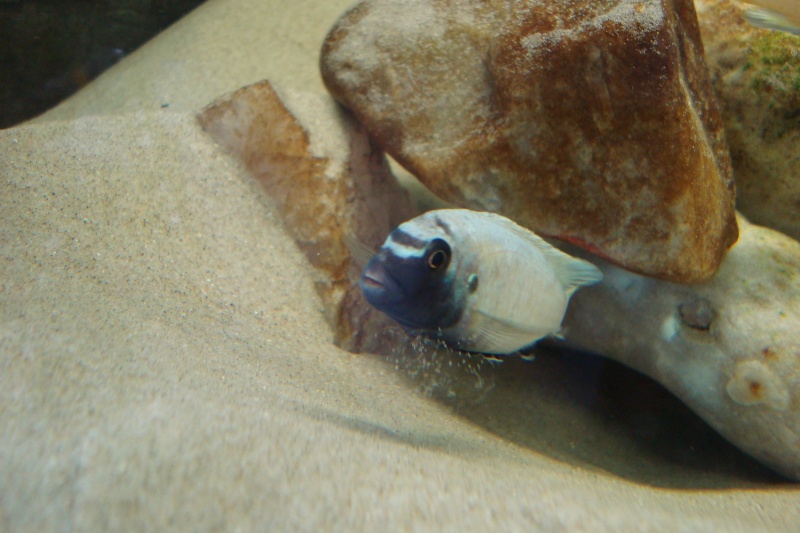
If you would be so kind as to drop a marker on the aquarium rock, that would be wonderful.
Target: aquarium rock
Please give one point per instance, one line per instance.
(591, 122)
(756, 75)
(729, 348)
(327, 180)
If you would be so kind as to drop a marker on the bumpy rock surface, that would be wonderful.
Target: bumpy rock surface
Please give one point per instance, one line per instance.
(756, 75)
(327, 179)
(729, 348)
(591, 122)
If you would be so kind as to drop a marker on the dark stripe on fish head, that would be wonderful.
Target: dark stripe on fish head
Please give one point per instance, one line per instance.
(400, 237)
(444, 226)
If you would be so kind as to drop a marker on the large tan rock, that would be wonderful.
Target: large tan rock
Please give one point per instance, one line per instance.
(729, 348)
(592, 122)
(327, 179)
(756, 75)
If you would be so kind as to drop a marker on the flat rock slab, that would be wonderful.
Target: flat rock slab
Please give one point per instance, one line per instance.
(328, 180)
(590, 122)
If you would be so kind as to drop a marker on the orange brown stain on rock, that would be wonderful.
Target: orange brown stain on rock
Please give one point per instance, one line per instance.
(755, 389)
(552, 151)
(769, 354)
(586, 127)
(316, 206)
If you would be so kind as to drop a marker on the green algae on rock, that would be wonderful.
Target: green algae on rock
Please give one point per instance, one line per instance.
(775, 61)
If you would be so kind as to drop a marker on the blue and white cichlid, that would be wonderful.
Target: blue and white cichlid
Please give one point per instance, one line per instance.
(781, 15)
(476, 280)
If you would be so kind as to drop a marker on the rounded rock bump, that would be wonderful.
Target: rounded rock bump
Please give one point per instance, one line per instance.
(753, 383)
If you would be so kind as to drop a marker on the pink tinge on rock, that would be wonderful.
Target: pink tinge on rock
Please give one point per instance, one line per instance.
(593, 122)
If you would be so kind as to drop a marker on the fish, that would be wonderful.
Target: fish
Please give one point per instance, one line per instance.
(476, 280)
(780, 15)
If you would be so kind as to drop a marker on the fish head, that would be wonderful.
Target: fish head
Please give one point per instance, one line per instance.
(411, 280)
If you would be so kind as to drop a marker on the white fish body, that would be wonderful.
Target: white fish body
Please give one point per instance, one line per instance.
(503, 287)
(527, 284)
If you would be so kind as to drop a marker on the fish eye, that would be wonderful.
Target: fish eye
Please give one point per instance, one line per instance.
(440, 256)
(437, 259)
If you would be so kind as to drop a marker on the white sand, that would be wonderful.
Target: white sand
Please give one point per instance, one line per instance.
(164, 360)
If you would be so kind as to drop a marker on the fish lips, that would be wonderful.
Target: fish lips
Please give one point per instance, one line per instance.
(379, 287)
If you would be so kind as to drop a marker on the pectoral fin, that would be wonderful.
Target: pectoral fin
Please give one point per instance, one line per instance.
(501, 336)
(360, 252)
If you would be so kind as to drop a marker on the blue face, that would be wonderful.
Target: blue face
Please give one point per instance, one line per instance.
(415, 289)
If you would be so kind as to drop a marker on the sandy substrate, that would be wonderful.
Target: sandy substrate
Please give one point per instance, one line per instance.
(165, 363)
(164, 359)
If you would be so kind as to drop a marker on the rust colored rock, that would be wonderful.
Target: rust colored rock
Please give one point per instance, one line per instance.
(327, 180)
(592, 122)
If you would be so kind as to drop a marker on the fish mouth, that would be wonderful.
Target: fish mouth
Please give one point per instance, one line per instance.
(378, 286)
(371, 282)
